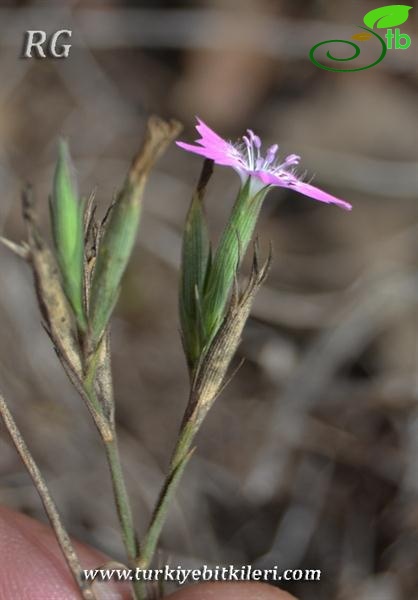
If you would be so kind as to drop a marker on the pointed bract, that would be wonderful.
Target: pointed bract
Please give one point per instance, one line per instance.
(194, 268)
(68, 231)
(121, 227)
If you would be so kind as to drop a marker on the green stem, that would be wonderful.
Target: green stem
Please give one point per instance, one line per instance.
(124, 511)
(123, 506)
(180, 458)
(122, 499)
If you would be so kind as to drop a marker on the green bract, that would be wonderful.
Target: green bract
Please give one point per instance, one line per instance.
(114, 252)
(195, 264)
(68, 231)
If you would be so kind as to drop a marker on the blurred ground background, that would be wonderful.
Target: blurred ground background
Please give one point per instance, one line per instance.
(308, 459)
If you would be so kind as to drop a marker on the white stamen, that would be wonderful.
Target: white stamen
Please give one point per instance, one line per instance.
(271, 155)
(254, 139)
(292, 159)
(250, 151)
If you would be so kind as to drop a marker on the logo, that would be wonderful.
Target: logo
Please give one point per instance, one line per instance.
(36, 44)
(386, 17)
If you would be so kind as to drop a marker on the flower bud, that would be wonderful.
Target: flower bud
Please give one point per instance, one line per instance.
(68, 232)
(121, 227)
(231, 249)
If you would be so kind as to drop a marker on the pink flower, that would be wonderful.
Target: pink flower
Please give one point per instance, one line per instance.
(246, 158)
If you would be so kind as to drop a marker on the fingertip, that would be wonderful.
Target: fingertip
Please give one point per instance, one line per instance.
(230, 591)
(33, 567)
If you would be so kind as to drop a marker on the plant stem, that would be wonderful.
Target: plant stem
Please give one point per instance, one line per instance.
(181, 455)
(121, 498)
(62, 536)
(123, 508)
(120, 493)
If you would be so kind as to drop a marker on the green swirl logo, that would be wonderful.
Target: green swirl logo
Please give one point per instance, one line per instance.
(357, 51)
(381, 18)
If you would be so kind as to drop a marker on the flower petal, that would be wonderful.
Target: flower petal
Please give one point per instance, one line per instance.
(208, 134)
(288, 180)
(212, 146)
(279, 179)
(219, 157)
(317, 194)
